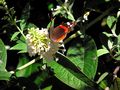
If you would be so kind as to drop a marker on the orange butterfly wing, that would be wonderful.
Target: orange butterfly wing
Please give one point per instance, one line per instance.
(59, 33)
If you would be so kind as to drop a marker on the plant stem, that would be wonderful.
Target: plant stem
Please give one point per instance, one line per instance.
(99, 17)
(27, 64)
(90, 24)
(12, 20)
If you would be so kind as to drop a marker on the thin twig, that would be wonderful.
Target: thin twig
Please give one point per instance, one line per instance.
(99, 17)
(91, 23)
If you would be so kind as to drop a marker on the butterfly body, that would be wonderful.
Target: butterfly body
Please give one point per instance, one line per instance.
(59, 33)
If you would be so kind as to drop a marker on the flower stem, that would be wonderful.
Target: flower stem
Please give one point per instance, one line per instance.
(27, 64)
(12, 20)
(90, 24)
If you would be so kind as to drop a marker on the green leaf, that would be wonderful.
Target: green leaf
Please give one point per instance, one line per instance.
(116, 84)
(14, 35)
(110, 44)
(3, 56)
(47, 88)
(4, 75)
(26, 72)
(51, 24)
(101, 52)
(70, 16)
(20, 46)
(84, 56)
(108, 34)
(22, 24)
(110, 21)
(70, 74)
(66, 76)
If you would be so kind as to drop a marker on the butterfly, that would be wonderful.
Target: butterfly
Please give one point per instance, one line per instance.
(60, 32)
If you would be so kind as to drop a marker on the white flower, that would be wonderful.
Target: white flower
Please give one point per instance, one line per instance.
(39, 43)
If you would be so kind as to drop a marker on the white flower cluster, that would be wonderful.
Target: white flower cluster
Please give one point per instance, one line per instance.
(39, 43)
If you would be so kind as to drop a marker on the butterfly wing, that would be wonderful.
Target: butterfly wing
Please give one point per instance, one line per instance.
(59, 33)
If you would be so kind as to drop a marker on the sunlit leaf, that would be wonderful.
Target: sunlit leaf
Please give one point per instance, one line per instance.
(110, 44)
(47, 88)
(3, 56)
(110, 21)
(4, 75)
(84, 56)
(70, 74)
(22, 24)
(20, 46)
(101, 52)
(14, 35)
(108, 34)
(69, 77)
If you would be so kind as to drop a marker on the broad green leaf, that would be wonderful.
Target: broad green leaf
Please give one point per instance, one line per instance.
(67, 77)
(101, 52)
(20, 46)
(110, 21)
(4, 75)
(84, 56)
(70, 74)
(14, 35)
(3, 56)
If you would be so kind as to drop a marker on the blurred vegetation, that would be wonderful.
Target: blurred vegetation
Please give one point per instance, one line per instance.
(90, 59)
